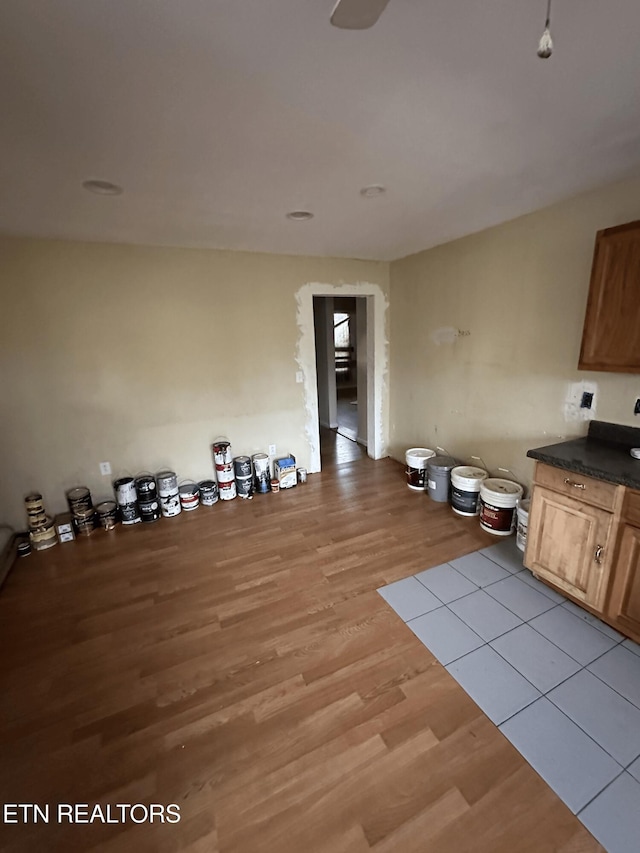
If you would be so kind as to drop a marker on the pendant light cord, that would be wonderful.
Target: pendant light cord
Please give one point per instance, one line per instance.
(548, 21)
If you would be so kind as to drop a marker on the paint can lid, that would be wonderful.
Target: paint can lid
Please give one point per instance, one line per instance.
(441, 463)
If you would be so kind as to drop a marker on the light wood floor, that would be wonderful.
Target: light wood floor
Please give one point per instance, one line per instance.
(237, 661)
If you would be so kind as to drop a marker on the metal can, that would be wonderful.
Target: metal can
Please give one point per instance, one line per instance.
(302, 475)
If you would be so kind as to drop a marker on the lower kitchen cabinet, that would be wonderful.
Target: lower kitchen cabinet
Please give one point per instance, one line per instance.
(569, 544)
(624, 603)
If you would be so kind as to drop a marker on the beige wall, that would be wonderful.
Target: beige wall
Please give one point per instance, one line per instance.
(141, 356)
(520, 291)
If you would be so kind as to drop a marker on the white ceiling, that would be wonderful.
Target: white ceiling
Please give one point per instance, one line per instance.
(219, 116)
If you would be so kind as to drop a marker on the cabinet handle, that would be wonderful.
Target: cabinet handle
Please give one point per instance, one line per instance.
(598, 554)
(575, 485)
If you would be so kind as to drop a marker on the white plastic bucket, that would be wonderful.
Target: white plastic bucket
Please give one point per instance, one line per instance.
(498, 502)
(465, 489)
(523, 523)
(416, 459)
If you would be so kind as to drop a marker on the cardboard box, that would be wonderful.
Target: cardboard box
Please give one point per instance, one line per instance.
(64, 527)
(284, 470)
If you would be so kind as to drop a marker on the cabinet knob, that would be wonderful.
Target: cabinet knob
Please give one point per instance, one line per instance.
(598, 554)
(574, 484)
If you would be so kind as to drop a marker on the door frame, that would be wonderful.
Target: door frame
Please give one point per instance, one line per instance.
(377, 364)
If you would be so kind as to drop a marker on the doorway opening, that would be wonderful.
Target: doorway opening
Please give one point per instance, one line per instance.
(340, 325)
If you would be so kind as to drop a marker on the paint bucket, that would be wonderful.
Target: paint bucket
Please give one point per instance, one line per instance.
(465, 489)
(225, 473)
(168, 493)
(34, 506)
(227, 491)
(416, 459)
(438, 480)
(107, 514)
(244, 486)
(146, 487)
(189, 495)
(129, 513)
(523, 523)
(24, 547)
(149, 510)
(242, 466)
(125, 489)
(84, 521)
(302, 475)
(79, 499)
(222, 452)
(43, 537)
(208, 492)
(261, 473)
(498, 502)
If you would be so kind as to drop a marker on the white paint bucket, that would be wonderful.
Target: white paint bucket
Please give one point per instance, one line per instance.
(261, 470)
(125, 489)
(416, 459)
(189, 496)
(225, 473)
(465, 489)
(168, 493)
(222, 454)
(498, 502)
(227, 491)
(523, 523)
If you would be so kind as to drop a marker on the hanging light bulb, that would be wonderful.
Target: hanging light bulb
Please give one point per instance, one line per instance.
(545, 45)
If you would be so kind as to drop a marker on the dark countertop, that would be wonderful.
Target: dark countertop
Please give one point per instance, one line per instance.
(603, 454)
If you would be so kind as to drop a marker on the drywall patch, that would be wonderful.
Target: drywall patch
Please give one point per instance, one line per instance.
(573, 408)
(378, 363)
(444, 335)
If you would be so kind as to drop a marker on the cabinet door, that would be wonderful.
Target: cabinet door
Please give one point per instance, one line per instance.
(611, 336)
(568, 545)
(624, 605)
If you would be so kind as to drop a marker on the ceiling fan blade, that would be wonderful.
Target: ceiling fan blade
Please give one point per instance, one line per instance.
(357, 14)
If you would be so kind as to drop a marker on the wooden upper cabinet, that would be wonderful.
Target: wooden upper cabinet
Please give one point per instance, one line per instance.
(611, 336)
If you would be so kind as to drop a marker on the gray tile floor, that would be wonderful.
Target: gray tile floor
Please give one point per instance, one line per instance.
(561, 685)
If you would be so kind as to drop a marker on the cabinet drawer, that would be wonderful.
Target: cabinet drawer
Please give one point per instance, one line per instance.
(585, 489)
(632, 508)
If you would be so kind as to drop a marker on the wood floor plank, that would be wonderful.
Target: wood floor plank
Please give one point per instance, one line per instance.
(237, 661)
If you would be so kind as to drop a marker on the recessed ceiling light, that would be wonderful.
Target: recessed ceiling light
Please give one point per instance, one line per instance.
(102, 187)
(372, 191)
(300, 215)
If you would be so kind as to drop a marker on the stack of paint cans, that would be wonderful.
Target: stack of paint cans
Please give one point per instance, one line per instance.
(208, 492)
(189, 496)
(147, 491)
(127, 500)
(168, 493)
(81, 506)
(42, 531)
(243, 472)
(262, 480)
(223, 460)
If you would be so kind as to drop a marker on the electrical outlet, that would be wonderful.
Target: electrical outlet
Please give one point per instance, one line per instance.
(587, 400)
(299, 377)
(272, 449)
(105, 468)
